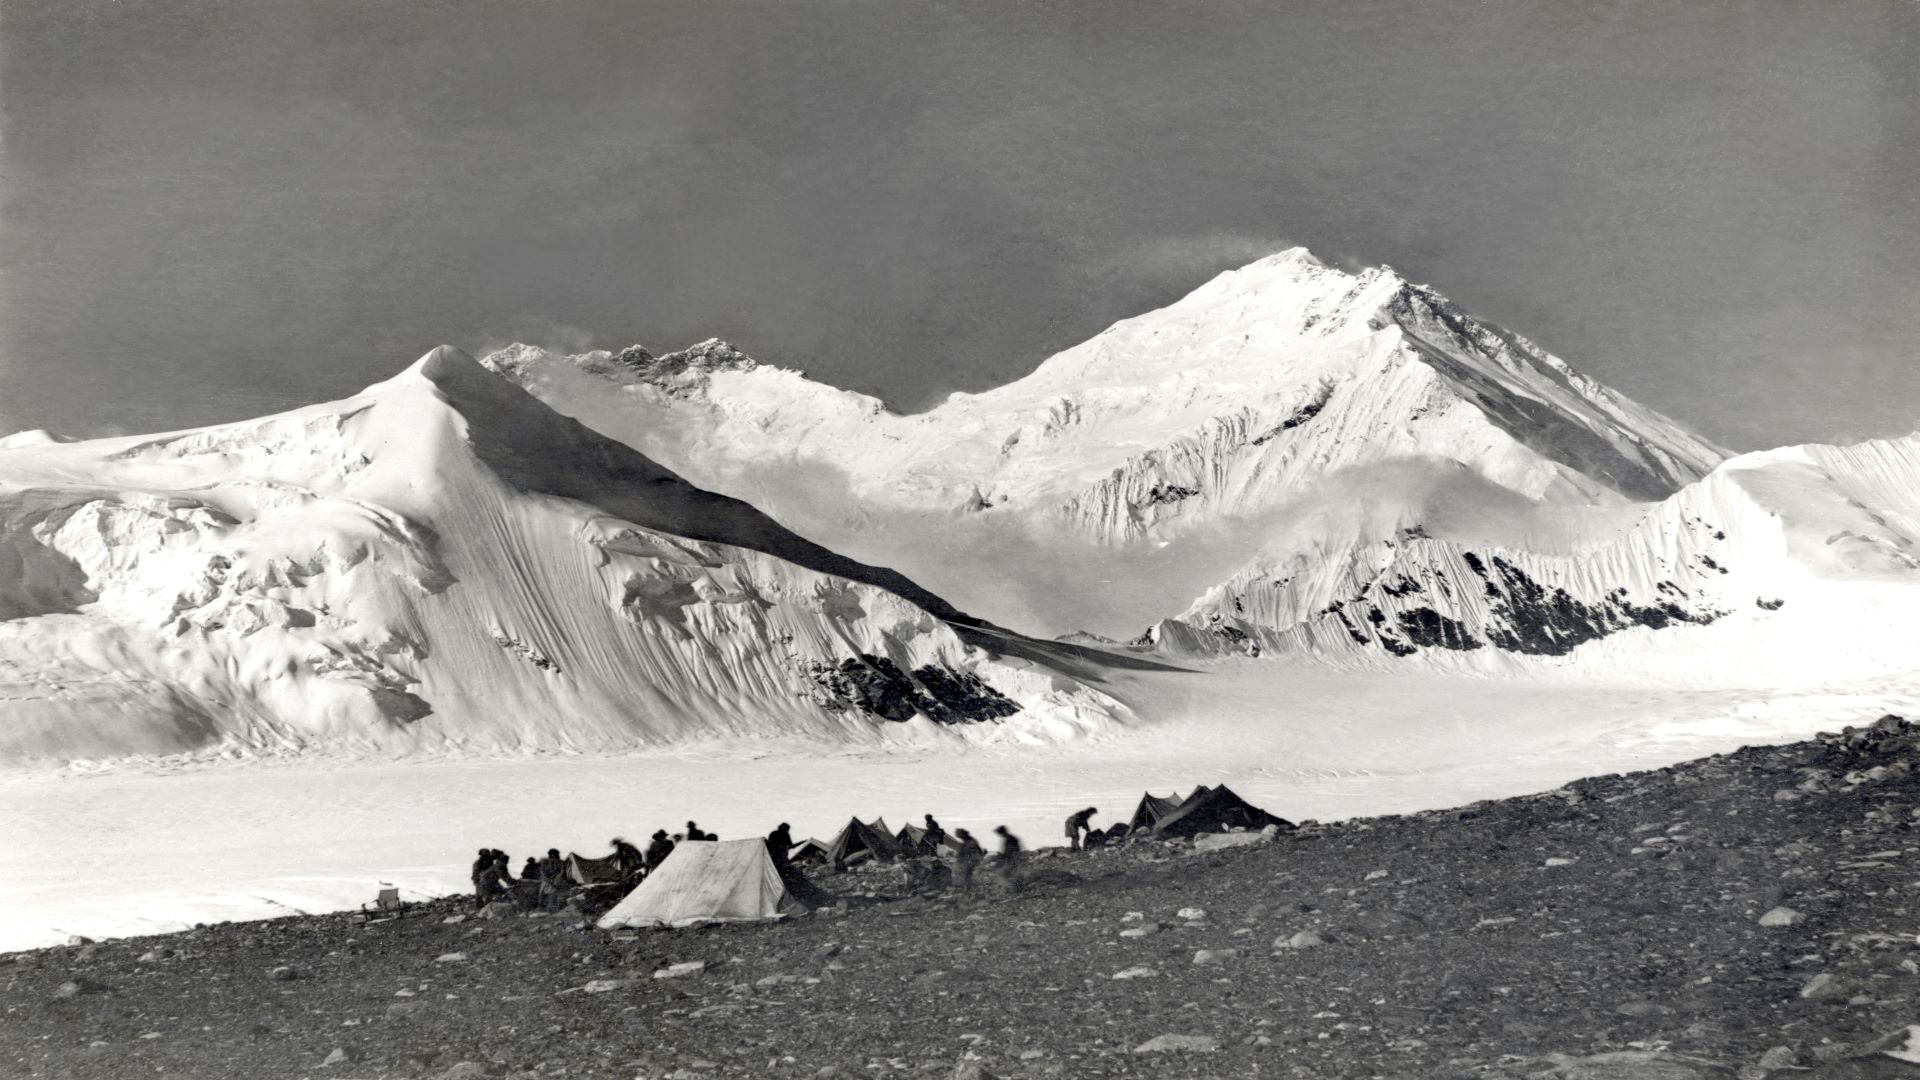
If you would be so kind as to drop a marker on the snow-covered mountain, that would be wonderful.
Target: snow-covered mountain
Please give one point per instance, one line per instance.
(1801, 562)
(443, 562)
(1128, 474)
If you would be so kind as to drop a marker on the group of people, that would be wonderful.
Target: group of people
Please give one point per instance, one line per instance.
(541, 881)
(927, 872)
(547, 882)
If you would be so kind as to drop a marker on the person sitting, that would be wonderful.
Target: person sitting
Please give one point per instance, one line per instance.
(530, 871)
(694, 833)
(1077, 824)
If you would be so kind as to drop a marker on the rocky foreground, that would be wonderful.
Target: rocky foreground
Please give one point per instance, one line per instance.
(1751, 915)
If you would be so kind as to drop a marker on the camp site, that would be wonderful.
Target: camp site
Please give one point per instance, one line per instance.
(697, 881)
(1197, 937)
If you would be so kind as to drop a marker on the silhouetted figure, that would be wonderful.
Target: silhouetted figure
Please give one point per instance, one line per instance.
(481, 874)
(935, 835)
(658, 850)
(1078, 824)
(779, 842)
(530, 871)
(631, 863)
(694, 832)
(492, 880)
(1011, 852)
(967, 856)
(554, 883)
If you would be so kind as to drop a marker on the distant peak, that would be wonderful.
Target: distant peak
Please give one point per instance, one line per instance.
(444, 362)
(712, 354)
(1295, 255)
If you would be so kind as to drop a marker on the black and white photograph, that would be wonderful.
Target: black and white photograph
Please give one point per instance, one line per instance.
(959, 539)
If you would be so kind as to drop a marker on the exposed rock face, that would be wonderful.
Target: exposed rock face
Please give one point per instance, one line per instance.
(877, 686)
(1826, 524)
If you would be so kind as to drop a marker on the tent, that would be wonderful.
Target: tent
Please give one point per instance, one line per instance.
(861, 838)
(1152, 810)
(704, 881)
(809, 851)
(585, 871)
(913, 841)
(1211, 810)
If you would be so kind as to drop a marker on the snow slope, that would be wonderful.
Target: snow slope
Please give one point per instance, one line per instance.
(1778, 566)
(1158, 452)
(441, 562)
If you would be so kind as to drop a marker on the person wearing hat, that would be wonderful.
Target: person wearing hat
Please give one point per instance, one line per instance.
(658, 850)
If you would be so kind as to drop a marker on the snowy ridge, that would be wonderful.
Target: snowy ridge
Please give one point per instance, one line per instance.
(441, 562)
(1186, 432)
(1794, 554)
(1220, 404)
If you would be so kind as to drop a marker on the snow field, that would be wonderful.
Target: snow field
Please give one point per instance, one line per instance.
(142, 850)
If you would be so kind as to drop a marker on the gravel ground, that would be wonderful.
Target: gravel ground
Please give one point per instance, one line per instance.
(1748, 915)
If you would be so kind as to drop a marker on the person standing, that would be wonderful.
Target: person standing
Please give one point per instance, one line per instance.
(553, 881)
(1011, 852)
(1077, 824)
(779, 842)
(627, 860)
(658, 850)
(967, 856)
(481, 874)
(934, 836)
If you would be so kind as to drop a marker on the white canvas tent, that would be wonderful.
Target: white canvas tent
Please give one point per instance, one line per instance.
(704, 881)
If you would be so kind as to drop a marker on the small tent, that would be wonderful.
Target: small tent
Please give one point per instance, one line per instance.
(1214, 809)
(704, 881)
(860, 838)
(585, 871)
(809, 851)
(1151, 811)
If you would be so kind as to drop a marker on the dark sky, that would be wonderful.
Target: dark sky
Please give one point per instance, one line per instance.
(219, 208)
